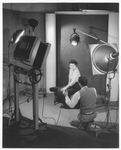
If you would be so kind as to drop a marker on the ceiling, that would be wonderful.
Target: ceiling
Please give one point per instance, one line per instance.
(52, 7)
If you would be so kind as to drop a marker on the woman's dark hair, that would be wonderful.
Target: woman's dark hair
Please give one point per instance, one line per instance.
(83, 81)
(73, 62)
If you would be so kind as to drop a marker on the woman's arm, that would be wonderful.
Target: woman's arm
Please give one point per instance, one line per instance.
(73, 80)
(74, 99)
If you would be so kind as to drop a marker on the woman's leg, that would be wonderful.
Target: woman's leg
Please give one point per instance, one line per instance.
(59, 97)
(73, 89)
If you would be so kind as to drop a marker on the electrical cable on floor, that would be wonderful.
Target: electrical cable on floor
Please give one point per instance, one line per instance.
(116, 122)
(114, 125)
(56, 121)
(58, 117)
(43, 112)
(101, 124)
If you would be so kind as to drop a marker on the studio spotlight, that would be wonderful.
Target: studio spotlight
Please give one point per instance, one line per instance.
(17, 35)
(105, 58)
(74, 38)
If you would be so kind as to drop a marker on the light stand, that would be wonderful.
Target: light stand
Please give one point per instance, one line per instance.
(9, 87)
(107, 127)
(37, 122)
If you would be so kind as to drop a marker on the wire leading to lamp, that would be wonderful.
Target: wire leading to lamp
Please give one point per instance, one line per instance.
(75, 38)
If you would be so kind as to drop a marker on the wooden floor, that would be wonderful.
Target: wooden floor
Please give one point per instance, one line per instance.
(58, 133)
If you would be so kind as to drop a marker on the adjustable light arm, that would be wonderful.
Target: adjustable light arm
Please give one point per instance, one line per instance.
(89, 35)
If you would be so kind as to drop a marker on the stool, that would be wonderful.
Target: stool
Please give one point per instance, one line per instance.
(82, 125)
(86, 125)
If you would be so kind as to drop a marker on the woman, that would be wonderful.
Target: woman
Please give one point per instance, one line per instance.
(72, 86)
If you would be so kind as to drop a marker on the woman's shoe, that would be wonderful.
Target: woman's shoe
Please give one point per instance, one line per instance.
(53, 89)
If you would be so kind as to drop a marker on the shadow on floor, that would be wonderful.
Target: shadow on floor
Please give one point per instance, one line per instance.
(16, 136)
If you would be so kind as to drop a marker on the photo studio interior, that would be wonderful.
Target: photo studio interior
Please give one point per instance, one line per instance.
(39, 40)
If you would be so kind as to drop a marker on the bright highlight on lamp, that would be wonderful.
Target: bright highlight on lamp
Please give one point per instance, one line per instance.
(74, 38)
(17, 35)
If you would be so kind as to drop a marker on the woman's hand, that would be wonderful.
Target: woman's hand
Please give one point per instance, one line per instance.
(63, 90)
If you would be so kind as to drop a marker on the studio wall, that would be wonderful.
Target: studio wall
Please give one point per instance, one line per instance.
(113, 37)
(51, 59)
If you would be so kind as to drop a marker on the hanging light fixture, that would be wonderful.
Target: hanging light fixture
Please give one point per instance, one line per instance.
(17, 35)
(74, 38)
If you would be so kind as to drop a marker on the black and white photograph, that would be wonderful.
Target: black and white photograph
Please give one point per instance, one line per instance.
(60, 74)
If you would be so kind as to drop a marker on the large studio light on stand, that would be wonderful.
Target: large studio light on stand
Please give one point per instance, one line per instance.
(29, 54)
(105, 60)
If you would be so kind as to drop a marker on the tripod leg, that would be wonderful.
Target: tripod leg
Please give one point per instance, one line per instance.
(35, 105)
(16, 90)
